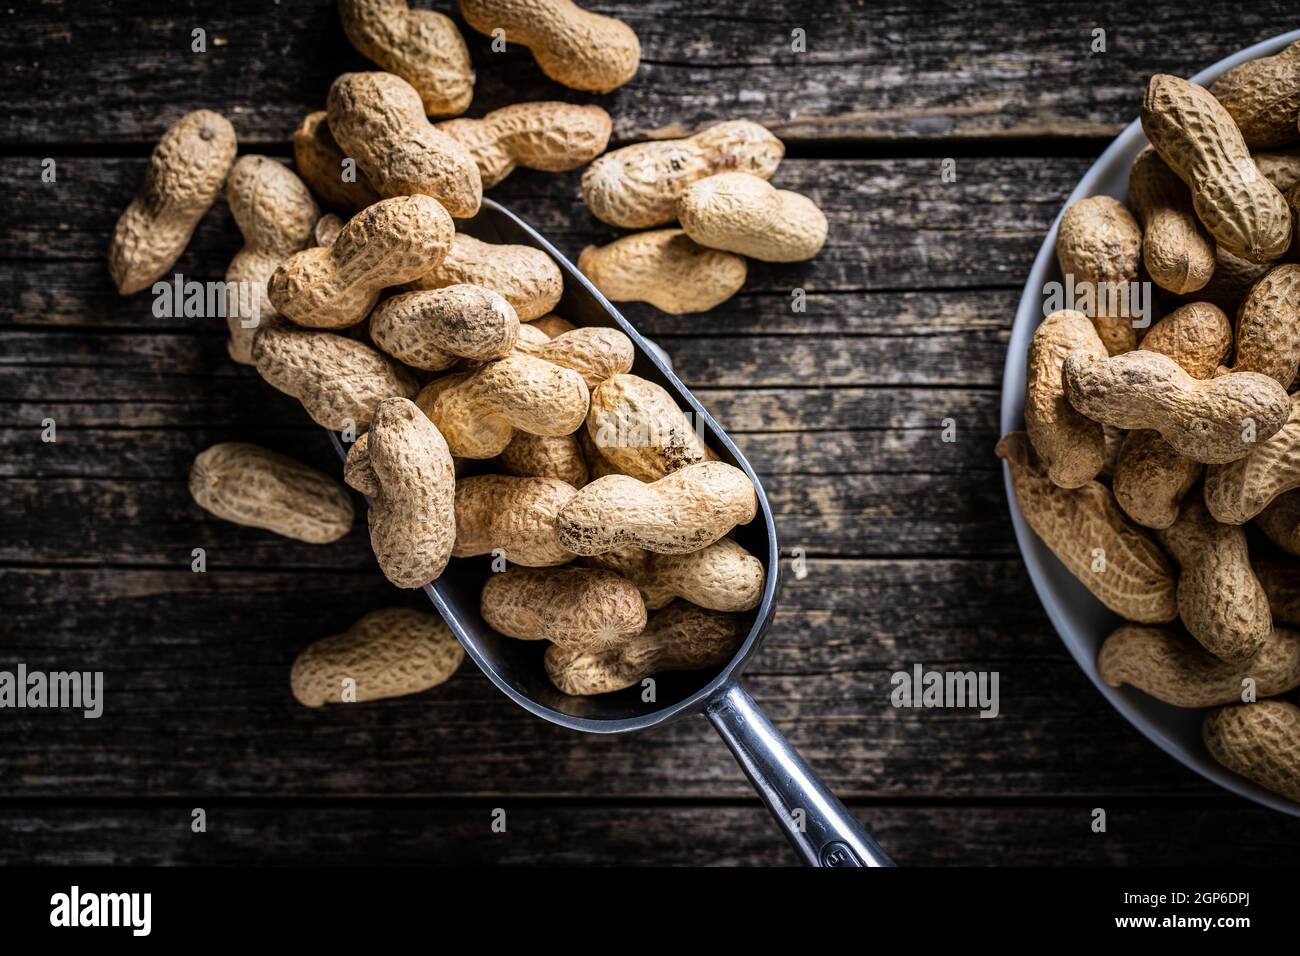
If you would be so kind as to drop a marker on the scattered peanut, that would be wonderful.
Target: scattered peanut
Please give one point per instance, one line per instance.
(184, 178)
(388, 653)
(678, 638)
(578, 608)
(740, 213)
(378, 120)
(528, 278)
(1200, 142)
(680, 513)
(259, 488)
(582, 50)
(1089, 534)
(515, 515)
(1260, 741)
(665, 268)
(276, 214)
(551, 137)
(1070, 446)
(1176, 249)
(637, 186)
(1175, 669)
(430, 330)
(1211, 421)
(422, 47)
(404, 465)
(391, 242)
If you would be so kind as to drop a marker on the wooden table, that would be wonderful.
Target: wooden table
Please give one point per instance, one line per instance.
(910, 555)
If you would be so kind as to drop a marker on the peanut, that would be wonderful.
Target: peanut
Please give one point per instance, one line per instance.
(1211, 421)
(1232, 279)
(515, 515)
(422, 47)
(338, 380)
(1280, 522)
(404, 465)
(577, 608)
(1099, 243)
(1175, 669)
(678, 638)
(388, 653)
(740, 213)
(327, 229)
(1071, 447)
(259, 488)
(1176, 249)
(1238, 491)
(1281, 168)
(320, 158)
(431, 330)
(1219, 599)
(1263, 97)
(1198, 336)
(479, 413)
(545, 456)
(1280, 580)
(680, 513)
(580, 49)
(1089, 534)
(1200, 142)
(1268, 326)
(275, 212)
(551, 137)
(183, 180)
(594, 353)
(378, 119)
(1260, 741)
(553, 325)
(1151, 479)
(637, 186)
(665, 268)
(391, 242)
(638, 428)
(528, 278)
(722, 577)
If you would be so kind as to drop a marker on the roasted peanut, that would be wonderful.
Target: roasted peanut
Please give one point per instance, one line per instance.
(1281, 168)
(1089, 534)
(388, 653)
(665, 268)
(1198, 336)
(1211, 421)
(1199, 141)
(1268, 326)
(551, 137)
(1175, 669)
(637, 186)
(1070, 446)
(259, 488)
(545, 456)
(1263, 97)
(276, 214)
(1232, 279)
(1260, 741)
(678, 638)
(683, 512)
(338, 380)
(1280, 580)
(1176, 249)
(1099, 243)
(1237, 491)
(1280, 522)
(594, 353)
(406, 469)
(722, 577)
(386, 244)
(1219, 599)
(578, 608)
(327, 229)
(320, 158)
(528, 278)
(378, 120)
(740, 213)
(432, 329)
(182, 181)
(638, 428)
(1151, 479)
(513, 515)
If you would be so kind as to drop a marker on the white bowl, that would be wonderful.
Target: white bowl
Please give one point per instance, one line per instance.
(1081, 620)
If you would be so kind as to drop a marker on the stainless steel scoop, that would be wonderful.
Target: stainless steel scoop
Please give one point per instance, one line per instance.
(815, 822)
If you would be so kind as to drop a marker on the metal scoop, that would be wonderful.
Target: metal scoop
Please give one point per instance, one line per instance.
(816, 823)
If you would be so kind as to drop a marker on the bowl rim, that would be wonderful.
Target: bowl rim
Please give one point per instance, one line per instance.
(1042, 565)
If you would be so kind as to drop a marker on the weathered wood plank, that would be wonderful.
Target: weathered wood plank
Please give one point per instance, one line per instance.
(894, 225)
(411, 832)
(119, 72)
(207, 657)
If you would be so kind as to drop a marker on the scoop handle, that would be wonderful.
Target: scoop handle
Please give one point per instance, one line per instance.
(820, 828)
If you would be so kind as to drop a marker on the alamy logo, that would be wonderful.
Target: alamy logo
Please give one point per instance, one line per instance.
(75, 908)
(55, 690)
(952, 689)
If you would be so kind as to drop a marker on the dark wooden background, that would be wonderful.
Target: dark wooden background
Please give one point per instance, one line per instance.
(911, 555)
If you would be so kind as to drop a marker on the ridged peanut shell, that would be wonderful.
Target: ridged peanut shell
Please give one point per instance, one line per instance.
(740, 213)
(1240, 490)
(1268, 326)
(528, 278)
(1280, 579)
(1151, 479)
(319, 159)
(1280, 167)
(1176, 249)
(1099, 241)
(545, 456)
(548, 136)
(1260, 741)
(260, 488)
(433, 329)
(1071, 446)
(388, 653)
(516, 515)
(596, 354)
(1263, 97)
(580, 608)
(722, 577)
(1198, 336)
(665, 268)
(639, 429)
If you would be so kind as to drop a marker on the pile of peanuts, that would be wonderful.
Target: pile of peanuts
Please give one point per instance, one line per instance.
(436, 351)
(1148, 451)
